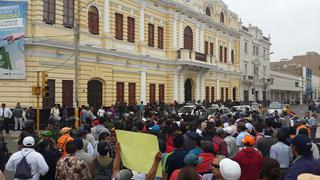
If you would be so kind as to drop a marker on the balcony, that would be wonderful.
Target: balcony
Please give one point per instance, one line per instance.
(247, 78)
(193, 58)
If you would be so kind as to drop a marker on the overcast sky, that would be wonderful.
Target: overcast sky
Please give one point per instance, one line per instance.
(294, 25)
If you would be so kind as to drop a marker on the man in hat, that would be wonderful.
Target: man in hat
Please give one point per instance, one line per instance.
(231, 141)
(63, 140)
(53, 128)
(35, 160)
(304, 163)
(249, 159)
(225, 168)
(191, 160)
(219, 140)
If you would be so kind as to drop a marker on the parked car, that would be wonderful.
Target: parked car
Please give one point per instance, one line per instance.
(255, 106)
(275, 106)
(192, 109)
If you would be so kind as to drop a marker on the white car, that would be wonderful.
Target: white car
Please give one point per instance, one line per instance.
(275, 106)
(193, 109)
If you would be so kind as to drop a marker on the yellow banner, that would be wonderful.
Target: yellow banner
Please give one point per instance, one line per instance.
(138, 150)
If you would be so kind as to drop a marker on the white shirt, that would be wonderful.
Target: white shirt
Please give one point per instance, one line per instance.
(35, 159)
(101, 112)
(7, 112)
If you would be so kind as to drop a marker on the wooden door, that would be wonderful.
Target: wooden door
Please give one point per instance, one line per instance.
(120, 92)
(132, 93)
(67, 93)
(161, 92)
(212, 94)
(94, 93)
(152, 93)
(208, 94)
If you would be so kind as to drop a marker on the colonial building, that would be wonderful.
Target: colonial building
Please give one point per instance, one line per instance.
(108, 51)
(255, 64)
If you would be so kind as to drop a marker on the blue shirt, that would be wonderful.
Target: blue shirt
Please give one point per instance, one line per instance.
(240, 136)
(303, 164)
(282, 153)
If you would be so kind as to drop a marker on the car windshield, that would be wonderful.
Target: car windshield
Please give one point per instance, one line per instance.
(275, 106)
(212, 110)
(256, 106)
(185, 109)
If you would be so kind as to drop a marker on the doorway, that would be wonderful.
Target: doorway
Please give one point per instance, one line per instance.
(188, 91)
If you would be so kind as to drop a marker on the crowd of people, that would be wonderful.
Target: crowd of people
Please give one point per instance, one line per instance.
(238, 145)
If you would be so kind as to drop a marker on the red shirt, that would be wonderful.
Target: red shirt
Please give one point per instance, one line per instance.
(176, 173)
(250, 161)
(205, 166)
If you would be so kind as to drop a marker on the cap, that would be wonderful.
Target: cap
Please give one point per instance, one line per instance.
(124, 174)
(46, 133)
(230, 170)
(249, 126)
(155, 129)
(28, 141)
(192, 159)
(228, 130)
(303, 144)
(65, 130)
(96, 122)
(248, 139)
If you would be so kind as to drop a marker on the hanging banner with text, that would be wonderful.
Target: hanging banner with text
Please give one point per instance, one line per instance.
(13, 15)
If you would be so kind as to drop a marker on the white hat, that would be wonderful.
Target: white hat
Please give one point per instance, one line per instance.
(228, 130)
(230, 170)
(28, 141)
(249, 126)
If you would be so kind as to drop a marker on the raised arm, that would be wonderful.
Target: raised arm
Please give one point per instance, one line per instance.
(153, 171)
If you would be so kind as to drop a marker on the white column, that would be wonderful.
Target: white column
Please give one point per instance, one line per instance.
(181, 87)
(174, 33)
(175, 87)
(106, 16)
(217, 48)
(201, 41)
(202, 87)
(143, 82)
(141, 27)
(198, 97)
(197, 39)
(218, 89)
(229, 48)
(181, 33)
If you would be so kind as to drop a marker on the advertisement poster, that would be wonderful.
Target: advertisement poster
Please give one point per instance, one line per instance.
(13, 15)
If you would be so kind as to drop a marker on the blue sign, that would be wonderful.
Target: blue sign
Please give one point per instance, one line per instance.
(13, 15)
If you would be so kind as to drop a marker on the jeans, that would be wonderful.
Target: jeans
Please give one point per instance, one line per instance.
(18, 121)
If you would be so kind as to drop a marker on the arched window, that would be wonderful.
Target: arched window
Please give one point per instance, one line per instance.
(222, 17)
(188, 38)
(232, 56)
(93, 20)
(208, 12)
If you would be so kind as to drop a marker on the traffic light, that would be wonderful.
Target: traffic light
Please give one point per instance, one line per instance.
(44, 85)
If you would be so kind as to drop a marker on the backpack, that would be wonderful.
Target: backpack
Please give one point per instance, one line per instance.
(23, 170)
(104, 173)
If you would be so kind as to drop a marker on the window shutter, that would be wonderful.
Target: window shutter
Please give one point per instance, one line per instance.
(151, 35)
(221, 54)
(227, 94)
(207, 93)
(152, 93)
(211, 49)
(132, 93)
(206, 47)
(49, 11)
(131, 29)
(161, 92)
(120, 92)
(222, 94)
(119, 26)
(225, 55)
(160, 37)
(212, 94)
(68, 13)
(232, 56)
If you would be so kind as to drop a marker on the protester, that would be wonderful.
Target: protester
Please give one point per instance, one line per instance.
(281, 152)
(71, 167)
(266, 142)
(101, 112)
(17, 115)
(63, 140)
(27, 163)
(30, 114)
(231, 141)
(229, 169)
(304, 162)
(207, 157)
(219, 140)
(45, 150)
(82, 155)
(242, 133)
(28, 131)
(249, 159)
(5, 115)
(190, 160)
(270, 170)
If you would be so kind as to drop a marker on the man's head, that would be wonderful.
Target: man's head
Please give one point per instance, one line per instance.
(216, 166)
(79, 143)
(268, 132)
(192, 160)
(178, 140)
(104, 137)
(282, 136)
(302, 145)
(65, 130)
(248, 141)
(47, 134)
(71, 147)
(103, 148)
(3, 105)
(230, 169)
(28, 142)
(18, 105)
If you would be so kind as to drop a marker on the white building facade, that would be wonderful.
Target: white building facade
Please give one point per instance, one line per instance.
(255, 65)
(286, 88)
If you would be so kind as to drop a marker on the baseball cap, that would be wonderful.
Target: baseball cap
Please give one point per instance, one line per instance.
(124, 174)
(248, 139)
(46, 133)
(229, 130)
(230, 170)
(249, 126)
(303, 144)
(28, 141)
(192, 159)
(155, 129)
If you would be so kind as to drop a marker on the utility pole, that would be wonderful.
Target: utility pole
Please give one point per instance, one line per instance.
(38, 101)
(254, 82)
(76, 74)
